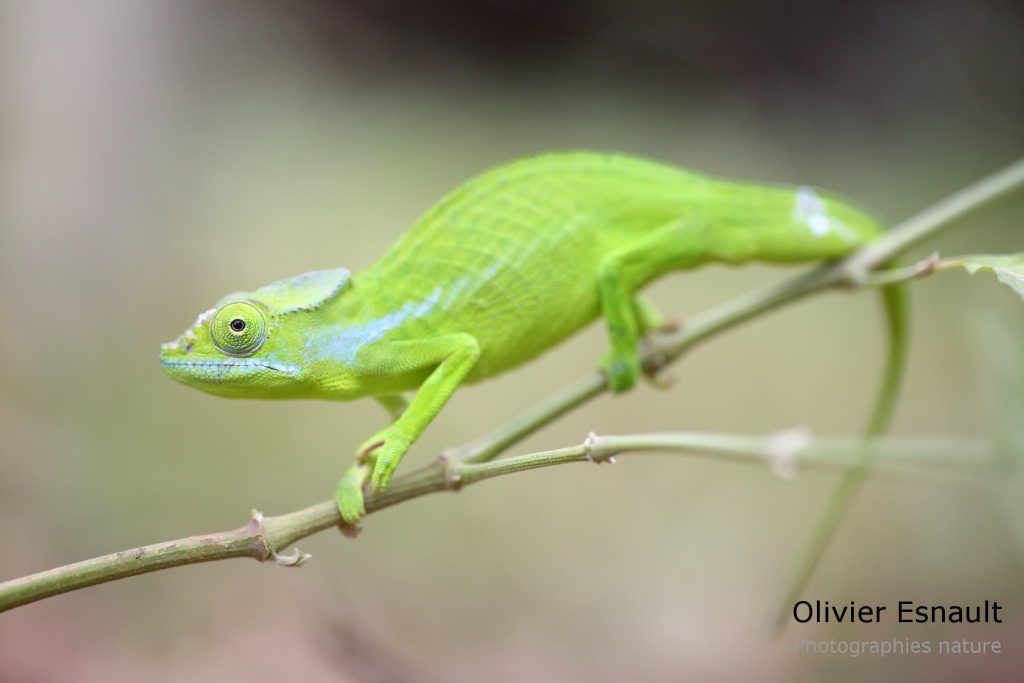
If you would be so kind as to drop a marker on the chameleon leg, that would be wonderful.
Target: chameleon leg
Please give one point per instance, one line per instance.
(395, 404)
(672, 247)
(648, 316)
(448, 359)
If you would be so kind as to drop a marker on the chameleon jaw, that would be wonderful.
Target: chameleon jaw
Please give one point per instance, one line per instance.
(230, 364)
(233, 377)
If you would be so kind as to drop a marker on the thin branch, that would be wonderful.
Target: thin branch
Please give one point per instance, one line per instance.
(782, 453)
(262, 537)
(915, 271)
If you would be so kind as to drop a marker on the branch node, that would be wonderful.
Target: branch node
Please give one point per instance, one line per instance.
(855, 277)
(858, 276)
(262, 550)
(448, 463)
(928, 265)
(782, 451)
(592, 449)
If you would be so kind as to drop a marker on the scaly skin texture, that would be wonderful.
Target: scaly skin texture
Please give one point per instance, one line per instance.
(505, 267)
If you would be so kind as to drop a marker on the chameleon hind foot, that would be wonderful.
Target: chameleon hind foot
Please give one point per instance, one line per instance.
(657, 374)
(669, 326)
(621, 371)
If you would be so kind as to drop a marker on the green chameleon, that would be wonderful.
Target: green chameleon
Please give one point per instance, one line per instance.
(506, 266)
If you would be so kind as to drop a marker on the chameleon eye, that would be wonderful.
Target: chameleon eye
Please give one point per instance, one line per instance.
(239, 329)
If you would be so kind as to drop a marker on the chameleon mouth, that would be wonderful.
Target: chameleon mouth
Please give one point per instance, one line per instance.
(228, 364)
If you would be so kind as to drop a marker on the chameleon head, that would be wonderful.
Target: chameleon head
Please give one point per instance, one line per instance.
(254, 344)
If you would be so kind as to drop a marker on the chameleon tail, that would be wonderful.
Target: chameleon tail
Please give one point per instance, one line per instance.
(896, 302)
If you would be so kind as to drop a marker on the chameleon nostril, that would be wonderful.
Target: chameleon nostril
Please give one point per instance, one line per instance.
(188, 348)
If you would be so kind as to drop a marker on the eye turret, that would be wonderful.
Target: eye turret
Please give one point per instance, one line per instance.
(239, 328)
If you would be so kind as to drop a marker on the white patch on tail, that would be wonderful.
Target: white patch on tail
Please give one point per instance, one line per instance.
(810, 210)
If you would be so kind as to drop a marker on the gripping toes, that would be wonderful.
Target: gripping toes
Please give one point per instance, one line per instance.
(621, 371)
(383, 451)
(349, 495)
(386, 462)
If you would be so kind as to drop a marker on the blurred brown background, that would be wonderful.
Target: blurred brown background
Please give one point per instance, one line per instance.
(157, 155)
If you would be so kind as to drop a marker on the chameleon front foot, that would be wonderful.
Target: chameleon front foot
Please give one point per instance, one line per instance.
(385, 451)
(349, 495)
(376, 461)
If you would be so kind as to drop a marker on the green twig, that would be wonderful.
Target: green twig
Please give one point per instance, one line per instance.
(260, 538)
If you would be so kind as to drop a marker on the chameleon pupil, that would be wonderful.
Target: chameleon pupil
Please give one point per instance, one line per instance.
(238, 325)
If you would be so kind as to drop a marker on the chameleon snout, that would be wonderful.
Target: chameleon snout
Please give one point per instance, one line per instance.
(180, 346)
(172, 347)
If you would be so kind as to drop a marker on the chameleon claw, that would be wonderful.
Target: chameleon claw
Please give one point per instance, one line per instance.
(661, 379)
(656, 371)
(670, 326)
(654, 367)
(368, 448)
(295, 558)
(350, 530)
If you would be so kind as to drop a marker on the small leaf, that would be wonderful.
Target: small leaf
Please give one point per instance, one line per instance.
(1009, 268)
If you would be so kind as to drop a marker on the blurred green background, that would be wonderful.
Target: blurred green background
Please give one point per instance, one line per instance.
(158, 155)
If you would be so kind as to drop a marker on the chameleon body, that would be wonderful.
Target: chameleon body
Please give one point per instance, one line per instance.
(503, 268)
